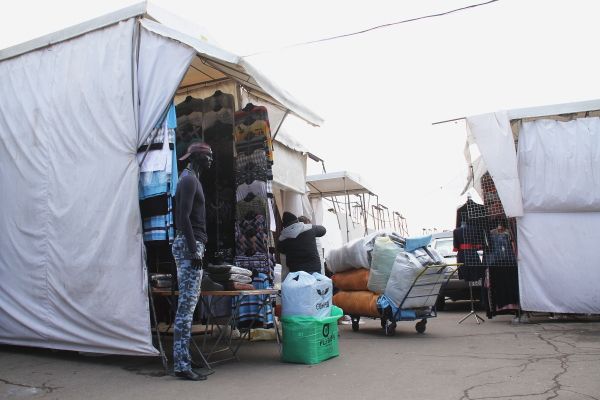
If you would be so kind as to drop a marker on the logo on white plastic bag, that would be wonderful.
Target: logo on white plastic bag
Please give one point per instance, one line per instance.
(325, 304)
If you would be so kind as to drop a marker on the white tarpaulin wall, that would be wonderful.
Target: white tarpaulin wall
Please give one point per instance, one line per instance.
(72, 274)
(552, 186)
(558, 235)
(493, 136)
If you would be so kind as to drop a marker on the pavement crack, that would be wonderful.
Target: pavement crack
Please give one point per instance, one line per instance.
(582, 394)
(553, 391)
(44, 387)
(564, 366)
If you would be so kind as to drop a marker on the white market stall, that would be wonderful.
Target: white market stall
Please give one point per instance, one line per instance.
(549, 181)
(75, 107)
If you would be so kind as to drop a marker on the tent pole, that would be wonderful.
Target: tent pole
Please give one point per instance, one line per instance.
(280, 123)
(347, 199)
(364, 211)
(448, 120)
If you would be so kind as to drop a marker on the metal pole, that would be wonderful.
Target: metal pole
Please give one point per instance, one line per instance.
(347, 210)
(281, 123)
(364, 211)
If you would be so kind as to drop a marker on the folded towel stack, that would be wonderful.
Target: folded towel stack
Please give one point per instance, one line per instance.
(230, 276)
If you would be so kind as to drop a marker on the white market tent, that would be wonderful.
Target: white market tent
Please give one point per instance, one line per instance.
(341, 184)
(74, 107)
(551, 183)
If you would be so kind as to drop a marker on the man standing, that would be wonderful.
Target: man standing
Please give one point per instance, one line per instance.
(188, 251)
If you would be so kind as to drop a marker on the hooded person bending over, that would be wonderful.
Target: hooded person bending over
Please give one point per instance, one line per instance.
(298, 242)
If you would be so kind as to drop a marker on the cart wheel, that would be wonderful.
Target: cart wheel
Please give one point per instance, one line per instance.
(355, 323)
(421, 326)
(390, 328)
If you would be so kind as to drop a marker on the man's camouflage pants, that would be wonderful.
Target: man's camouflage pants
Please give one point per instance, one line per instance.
(189, 279)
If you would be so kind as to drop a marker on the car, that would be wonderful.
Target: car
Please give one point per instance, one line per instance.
(455, 289)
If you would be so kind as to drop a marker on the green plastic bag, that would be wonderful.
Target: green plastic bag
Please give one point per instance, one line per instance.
(310, 340)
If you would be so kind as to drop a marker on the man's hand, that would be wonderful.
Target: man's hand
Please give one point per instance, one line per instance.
(197, 263)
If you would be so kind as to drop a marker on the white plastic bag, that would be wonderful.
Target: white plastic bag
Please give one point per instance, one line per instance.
(305, 294)
(404, 271)
(354, 254)
(384, 254)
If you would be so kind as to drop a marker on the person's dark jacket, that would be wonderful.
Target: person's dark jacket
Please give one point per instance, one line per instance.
(298, 243)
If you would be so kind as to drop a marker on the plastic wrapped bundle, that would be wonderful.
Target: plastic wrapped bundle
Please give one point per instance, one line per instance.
(355, 279)
(405, 270)
(363, 303)
(384, 254)
(354, 254)
(428, 256)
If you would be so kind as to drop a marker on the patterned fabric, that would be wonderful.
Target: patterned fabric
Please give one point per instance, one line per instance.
(249, 306)
(259, 263)
(256, 159)
(211, 118)
(189, 279)
(257, 130)
(156, 187)
(251, 236)
(253, 175)
(159, 227)
(247, 209)
(189, 123)
(153, 184)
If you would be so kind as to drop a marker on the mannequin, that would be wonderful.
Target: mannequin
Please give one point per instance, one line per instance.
(188, 251)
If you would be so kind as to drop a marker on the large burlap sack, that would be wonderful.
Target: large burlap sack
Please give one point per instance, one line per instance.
(305, 294)
(355, 279)
(384, 254)
(362, 303)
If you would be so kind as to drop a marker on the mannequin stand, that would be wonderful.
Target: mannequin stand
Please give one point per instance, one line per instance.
(478, 319)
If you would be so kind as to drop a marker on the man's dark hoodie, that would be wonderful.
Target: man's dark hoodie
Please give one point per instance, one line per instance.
(298, 242)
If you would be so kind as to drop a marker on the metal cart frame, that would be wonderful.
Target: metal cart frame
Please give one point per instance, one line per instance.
(421, 297)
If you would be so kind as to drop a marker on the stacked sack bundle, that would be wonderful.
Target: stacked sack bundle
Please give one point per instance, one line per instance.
(230, 276)
(407, 266)
(359, 289)
(377, 271)
(309, 319)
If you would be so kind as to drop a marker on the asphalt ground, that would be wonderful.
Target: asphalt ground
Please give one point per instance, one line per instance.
(498, 359)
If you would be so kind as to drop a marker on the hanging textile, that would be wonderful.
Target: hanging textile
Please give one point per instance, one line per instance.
(500, 291)
(219, 181)
(253, 211)
(157, 185)
(251, 312)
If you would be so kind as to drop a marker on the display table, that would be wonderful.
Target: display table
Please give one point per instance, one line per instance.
(226, 341)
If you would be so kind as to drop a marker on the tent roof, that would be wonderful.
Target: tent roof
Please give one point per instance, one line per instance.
(336, 184)
(555, 109)
(211, 64)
